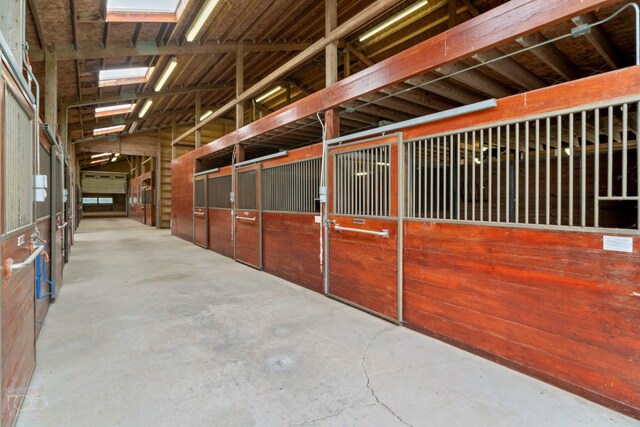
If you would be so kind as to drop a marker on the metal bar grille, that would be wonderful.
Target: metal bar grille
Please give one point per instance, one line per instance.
(219, 192)
(362, 182)
(199, 196)
(18, 165)
(247, 190)
(293, 187)
(542, 172)
(43, 209)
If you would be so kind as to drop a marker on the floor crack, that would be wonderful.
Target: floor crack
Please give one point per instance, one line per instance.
(335, 414)
(366, 374)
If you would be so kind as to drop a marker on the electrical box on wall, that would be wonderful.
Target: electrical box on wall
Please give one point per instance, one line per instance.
(65, 195)
(232, 197)
(42, 183)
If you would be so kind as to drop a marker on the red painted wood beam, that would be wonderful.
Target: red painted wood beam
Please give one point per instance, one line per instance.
(502, 24)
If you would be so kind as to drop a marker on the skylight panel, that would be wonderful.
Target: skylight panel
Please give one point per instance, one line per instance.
(144, 10)
(124, 76)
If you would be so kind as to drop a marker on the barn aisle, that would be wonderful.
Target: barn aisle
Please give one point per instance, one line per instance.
(150, 330)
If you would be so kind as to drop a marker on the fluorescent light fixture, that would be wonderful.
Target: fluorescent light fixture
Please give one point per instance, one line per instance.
(477, 160)
(269, 94)
(165, 75)
(362, 173)
(108, 130)
(133, 127)
(117, 154)
(145, 108)
(99, 161)
(389, 22)
(382, 163)
(114, 110)
(124, 76)
(485, 149)
(205, 115)
(202, 17)
(113, 159)
(97, 156)
(567, 151)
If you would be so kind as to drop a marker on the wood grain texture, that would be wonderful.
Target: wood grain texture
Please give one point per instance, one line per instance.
(552, 304)
(291, 248)
(248, 238)
(200, 227)
(18, 329)
(220, 231)
(363, 268)
(182, 170)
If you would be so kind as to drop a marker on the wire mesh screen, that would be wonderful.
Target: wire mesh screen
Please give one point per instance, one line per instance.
(148, 199)
(292, 188)
(247, 190)
(43, 209)
(219, 192)
(198, 197)
(18, 164)
(362, 182)
(577, 169)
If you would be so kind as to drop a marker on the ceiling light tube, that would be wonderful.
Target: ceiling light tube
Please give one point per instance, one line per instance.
(165, 75)
(133, 127)
(108, 130)
(96, 156)
(389, 22)
(201, 19)
(145, 108)
(114, 110)
(269, 94)
(205, 115)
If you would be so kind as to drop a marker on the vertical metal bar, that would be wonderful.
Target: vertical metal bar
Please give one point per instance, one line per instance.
(537, 173)
(438, 178)
(559, 171)
(571, 137)
(466, 176)
(638, 157)
(481, 175)
(431, 140)
(596, 169)
(490, 174)
(458, 198)
(547, 185)
(625, 147)
(420, 172)
(507, 194)
(473, 176)
(499, 177)
(424, 154)
(527, 213)
(583, 172)
(610, 154)
(444, 177)
(451, 175)
(517, 173)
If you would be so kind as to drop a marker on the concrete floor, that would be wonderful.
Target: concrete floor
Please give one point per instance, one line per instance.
(152, 331)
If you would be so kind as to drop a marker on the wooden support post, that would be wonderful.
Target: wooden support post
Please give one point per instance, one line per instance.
(347, 63)
(331, 50)
(158, 186)
(51, 88)
(198, 113)
(174, 133)
(239, 153)
(240, 85)
(332, 121)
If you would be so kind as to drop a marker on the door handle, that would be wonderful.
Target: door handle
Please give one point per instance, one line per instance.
(61, 226)
(10, 267)
(244, 218)
(199, 213)
(384, 233)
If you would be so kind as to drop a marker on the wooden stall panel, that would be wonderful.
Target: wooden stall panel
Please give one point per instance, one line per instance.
(248, 238)
(221, 231)
(363, 268)
(552, 304)
(291, 248)
(182, 196)
(18, 331)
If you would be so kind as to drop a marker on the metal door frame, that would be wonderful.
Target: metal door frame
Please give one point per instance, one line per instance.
(199, 177)
(330, 206)
(257, 167)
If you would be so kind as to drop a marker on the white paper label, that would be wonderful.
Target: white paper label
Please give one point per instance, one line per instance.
(318, 219)
(617, 244)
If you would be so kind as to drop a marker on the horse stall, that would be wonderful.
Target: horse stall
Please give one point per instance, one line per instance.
(510, 231)
(142, 200)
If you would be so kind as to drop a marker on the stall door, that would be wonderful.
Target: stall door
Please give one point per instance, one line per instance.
(68, 213)
(363, 235)
(58, 225)
(17, 293)
(200, 214)
(248, 219)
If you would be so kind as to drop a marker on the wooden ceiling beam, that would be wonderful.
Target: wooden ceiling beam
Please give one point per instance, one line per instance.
(517, 18)
(315, 49)
(511, 69)
(551, 55)
(476, 80)
(601, 41)
(33, 6)
(152, 48)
